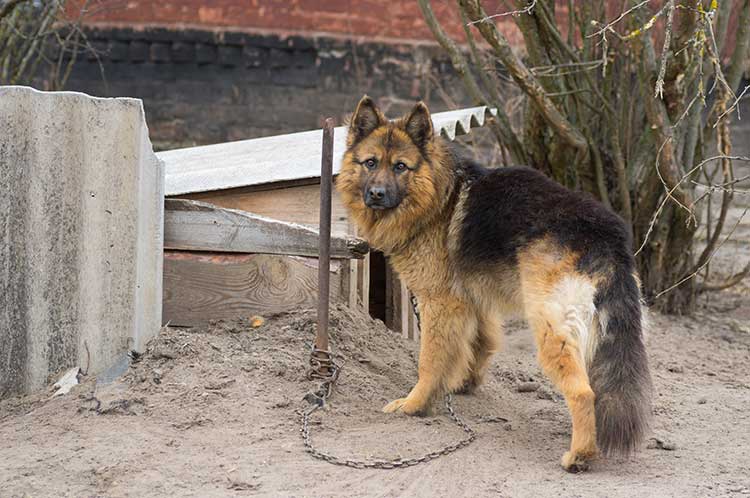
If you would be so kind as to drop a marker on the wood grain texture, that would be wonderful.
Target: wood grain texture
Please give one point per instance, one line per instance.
(351, 284)
(199, 287)
(198, 226)
(405, 312)
(400, 314)
(296, 204)
(363, 283)
(390, 301)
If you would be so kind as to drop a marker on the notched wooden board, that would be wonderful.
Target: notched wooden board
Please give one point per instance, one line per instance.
(199, 226)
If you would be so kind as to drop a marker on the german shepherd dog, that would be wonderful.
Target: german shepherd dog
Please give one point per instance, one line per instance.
(478, 245)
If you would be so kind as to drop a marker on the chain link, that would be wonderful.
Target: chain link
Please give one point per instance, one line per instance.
(386, 464)
(324, 368)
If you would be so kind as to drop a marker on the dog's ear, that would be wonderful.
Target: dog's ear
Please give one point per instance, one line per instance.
(418, 125)
(366, 119)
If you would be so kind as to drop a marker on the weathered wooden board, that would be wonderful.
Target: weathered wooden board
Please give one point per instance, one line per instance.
(198, 226)
(363, 282)
(352, 290)
(399, 314)
(296, 204)
(199, 287)
(279, 158)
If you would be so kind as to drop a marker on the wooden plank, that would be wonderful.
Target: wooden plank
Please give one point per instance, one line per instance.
(392, 289)
(405, 305)
(363, 274)
(198, 226)
(276, 159)
(296, 204)
(199, 287)
(352, 284)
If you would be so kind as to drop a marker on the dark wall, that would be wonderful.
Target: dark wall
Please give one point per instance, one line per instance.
(202, 87)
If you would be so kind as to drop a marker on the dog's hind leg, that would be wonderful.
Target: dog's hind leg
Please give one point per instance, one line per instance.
(559, 307)
(486, 343)
(449, 327)
(561, 360)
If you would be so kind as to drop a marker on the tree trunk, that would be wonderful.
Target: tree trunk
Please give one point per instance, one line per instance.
(606, 114)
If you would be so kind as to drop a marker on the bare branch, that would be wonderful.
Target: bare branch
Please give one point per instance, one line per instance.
(722, 186)
(694, 273)
(742, 47)
(523, 76)
(525, 10)
(674, 188)
(504, 130)
(732, 107)
(659, 88)
(7, 7)
(609, 26)
(740, 54)
(730, 282)
(724, 147)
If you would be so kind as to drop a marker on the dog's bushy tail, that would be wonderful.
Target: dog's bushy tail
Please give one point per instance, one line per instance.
(619, 373)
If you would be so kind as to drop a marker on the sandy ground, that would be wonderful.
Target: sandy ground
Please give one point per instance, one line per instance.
(215, 412)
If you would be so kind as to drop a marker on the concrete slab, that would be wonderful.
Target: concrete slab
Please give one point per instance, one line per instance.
(81, 231)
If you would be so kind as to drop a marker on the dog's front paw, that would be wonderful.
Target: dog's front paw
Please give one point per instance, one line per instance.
(406, 405)
(469, 386)
(576, 462)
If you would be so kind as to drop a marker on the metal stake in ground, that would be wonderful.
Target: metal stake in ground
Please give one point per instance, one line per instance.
(321, 356)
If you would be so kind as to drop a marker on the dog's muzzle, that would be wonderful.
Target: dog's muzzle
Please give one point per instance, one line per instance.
(380, 198)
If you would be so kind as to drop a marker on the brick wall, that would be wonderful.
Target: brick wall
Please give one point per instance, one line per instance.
(203, 87)
(370, 20)
(232, 69)
(395, 20)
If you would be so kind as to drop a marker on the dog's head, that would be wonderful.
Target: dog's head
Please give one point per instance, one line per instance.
(384, 158)
(395, 175)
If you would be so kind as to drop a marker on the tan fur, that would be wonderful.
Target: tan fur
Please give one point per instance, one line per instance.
(462, 311)
(543, 266)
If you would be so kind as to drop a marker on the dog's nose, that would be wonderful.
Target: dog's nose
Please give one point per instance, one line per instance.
(377, 193)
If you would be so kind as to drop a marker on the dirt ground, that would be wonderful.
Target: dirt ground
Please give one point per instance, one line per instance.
(215, 412)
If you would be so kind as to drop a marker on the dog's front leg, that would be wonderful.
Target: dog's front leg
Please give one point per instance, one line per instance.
(448, 326)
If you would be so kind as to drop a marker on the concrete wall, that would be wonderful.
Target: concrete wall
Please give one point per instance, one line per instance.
(81, 217)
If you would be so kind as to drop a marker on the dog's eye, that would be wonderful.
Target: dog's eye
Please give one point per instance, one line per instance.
(400, 167)
(369, 164)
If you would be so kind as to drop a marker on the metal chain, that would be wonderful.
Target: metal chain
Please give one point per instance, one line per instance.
(396, 463)
(324, 368)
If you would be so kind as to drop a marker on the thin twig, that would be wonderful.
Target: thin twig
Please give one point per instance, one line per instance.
(504, 130)
(7, 7)
(609, 25)
(694, 273)
(676, 186)
(721, 186)
(659, 87)
(523, 77)
(730, 282)
(525, 10)
(724, 148)
(731, 108)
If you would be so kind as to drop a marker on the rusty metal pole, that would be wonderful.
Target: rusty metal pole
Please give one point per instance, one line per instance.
(324, 256)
